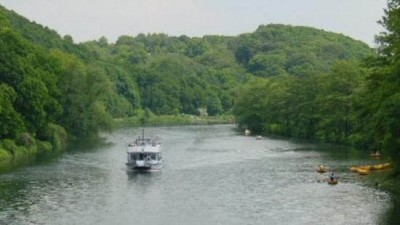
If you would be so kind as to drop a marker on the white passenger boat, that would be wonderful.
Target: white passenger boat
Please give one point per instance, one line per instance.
(144, 154)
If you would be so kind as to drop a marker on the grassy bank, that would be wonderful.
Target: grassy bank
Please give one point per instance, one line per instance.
(170, 120)
(14, 152)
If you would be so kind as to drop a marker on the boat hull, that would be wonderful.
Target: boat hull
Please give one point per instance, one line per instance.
(145, 166)
(333, 182)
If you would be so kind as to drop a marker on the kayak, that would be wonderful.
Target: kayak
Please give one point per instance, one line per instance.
(353, 169)
(363, 171)
(377, 167)
(333, 181)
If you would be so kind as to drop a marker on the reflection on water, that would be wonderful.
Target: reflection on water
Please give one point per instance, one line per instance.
(211, 175)
(143, 177)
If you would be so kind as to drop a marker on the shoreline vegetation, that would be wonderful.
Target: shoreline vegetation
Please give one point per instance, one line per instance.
(21, 151)
(171, 120)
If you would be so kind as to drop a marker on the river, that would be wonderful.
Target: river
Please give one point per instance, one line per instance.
(211, 175)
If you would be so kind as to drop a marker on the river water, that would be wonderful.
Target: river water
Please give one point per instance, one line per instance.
(211, 175)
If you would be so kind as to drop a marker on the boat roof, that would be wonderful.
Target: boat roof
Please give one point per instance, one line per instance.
(144, 150)
(144, 145)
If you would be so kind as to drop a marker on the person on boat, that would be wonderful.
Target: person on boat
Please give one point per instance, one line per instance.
(148, 157)
(332, 177)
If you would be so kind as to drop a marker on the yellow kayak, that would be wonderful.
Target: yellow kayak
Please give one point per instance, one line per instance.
(386, 166)
(363, 171)
(321, 169)
(377, 167)
(353, 169)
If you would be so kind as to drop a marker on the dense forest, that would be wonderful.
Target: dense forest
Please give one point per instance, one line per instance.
(353, 102)
(280, 79)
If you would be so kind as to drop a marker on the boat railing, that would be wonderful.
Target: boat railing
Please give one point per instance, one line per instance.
(143, 142)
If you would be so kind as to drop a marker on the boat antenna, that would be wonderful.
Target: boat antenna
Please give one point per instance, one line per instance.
(143, 123)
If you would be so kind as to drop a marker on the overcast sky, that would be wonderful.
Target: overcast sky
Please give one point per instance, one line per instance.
(90, 19)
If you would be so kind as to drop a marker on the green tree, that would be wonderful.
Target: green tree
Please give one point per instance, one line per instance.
(11, 122)
(267, 65)
(383, 86)
(249, 108)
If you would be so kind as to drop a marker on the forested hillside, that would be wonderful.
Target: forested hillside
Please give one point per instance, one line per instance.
(276, 50)
(350, 102)
(298, 81)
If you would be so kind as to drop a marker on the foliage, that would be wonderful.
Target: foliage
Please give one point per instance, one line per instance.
(382, 92)
(294, 81)
(326, 95)
(57, 137)
(4, 155)
(311, 106)
(44, 91)
(274, 50)
(173, 120)
(12, 123)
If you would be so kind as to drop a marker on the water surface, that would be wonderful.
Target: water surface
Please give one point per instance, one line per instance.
(212, 175)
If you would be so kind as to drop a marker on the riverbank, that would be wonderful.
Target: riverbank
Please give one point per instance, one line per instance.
(21, 151)
(169, 120)
(15, 156)
(389, 183)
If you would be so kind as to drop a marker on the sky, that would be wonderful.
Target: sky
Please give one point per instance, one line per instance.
(88, 20)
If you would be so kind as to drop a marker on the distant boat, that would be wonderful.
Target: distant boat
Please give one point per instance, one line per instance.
(144, 154)
(332, 179)
(375, 154)
(258, 137)
(321, 169)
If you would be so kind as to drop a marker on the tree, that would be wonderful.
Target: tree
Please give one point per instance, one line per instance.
(196, 47)
(11, 122)
(249, 108)
(267, 65)
(383, 86)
